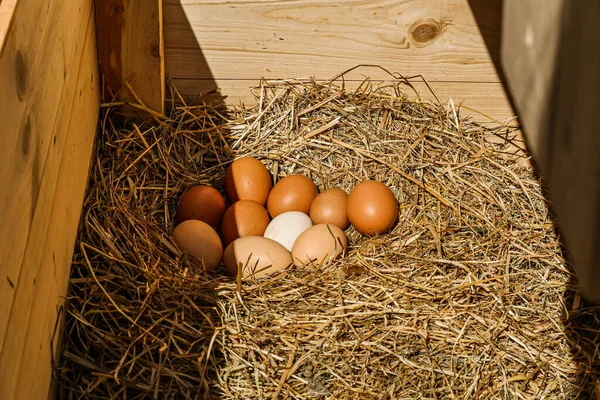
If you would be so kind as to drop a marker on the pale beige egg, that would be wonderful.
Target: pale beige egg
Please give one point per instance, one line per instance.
(319, 244)
(258, 256)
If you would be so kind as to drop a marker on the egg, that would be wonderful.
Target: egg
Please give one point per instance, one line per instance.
(372, 208)
(199, 240)
(259, 257)
(329, 207)
(244, 218)
(203, 203)
(292, 193)
(248, 179)
(286, 227)
(319, 244)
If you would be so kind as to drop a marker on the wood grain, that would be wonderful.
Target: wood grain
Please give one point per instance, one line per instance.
(530, 44)
(554, 78)
(212, 44)
(131, 50)
(62, 194)
(49, 106)
(241, 39)
(28, 111)
(488, 100)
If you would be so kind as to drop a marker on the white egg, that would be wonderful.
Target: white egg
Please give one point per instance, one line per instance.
(286, 227)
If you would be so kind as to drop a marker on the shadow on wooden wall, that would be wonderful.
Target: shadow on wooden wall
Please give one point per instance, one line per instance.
(131, 54)
(488, 14)
(180, 36)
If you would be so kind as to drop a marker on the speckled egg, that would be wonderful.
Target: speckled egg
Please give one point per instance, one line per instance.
(319, 244)
(292, 193)
(199, 240)
(258, 257)
(203, 203)
(244, 218)
(248, 179)
(329, 207)
(372, 208)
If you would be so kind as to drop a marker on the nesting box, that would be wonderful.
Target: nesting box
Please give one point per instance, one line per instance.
(60, 63)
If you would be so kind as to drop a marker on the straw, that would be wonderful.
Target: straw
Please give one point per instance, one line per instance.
(469, 296)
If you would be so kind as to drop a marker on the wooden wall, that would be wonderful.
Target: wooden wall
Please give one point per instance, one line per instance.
(131, 52)
(554, 76)
(232, 44)
(49, 100)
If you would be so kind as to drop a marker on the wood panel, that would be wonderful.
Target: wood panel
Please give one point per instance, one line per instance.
(487, 103)
(554, 75)
(530, 44)
(28, 111)
(240, 39)
(230, 45)
(48, 105)
(131, 51)
(53, 249)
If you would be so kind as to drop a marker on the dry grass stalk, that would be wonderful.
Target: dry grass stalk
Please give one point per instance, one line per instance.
(465, 298)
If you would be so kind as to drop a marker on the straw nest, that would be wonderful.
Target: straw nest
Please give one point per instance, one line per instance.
(467, 297)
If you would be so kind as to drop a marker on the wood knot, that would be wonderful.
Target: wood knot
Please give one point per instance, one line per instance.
(155, 51)
(21, 75)
(423, 33)
(25, 136)
(116, 9)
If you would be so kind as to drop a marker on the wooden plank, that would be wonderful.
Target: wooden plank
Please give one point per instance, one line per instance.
(554, 76)
(131, 50)
(530, 44)
(52, 248)
(486, 98)
(247, 39)
(43, 179)
(35, 69)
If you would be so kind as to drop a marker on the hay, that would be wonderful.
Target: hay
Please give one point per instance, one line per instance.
(465, 298)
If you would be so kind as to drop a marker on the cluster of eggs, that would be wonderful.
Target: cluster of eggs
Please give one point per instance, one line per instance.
(268, 228)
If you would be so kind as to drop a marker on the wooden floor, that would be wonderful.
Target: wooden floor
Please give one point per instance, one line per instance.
(231, 45)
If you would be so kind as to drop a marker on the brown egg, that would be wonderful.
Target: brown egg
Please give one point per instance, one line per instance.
(372, 208)
(258, 255)
(248, 179)
(199, 240)
(329, 207)
(319, 244)
(292, 193)
(203, 203)
(244, 218)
